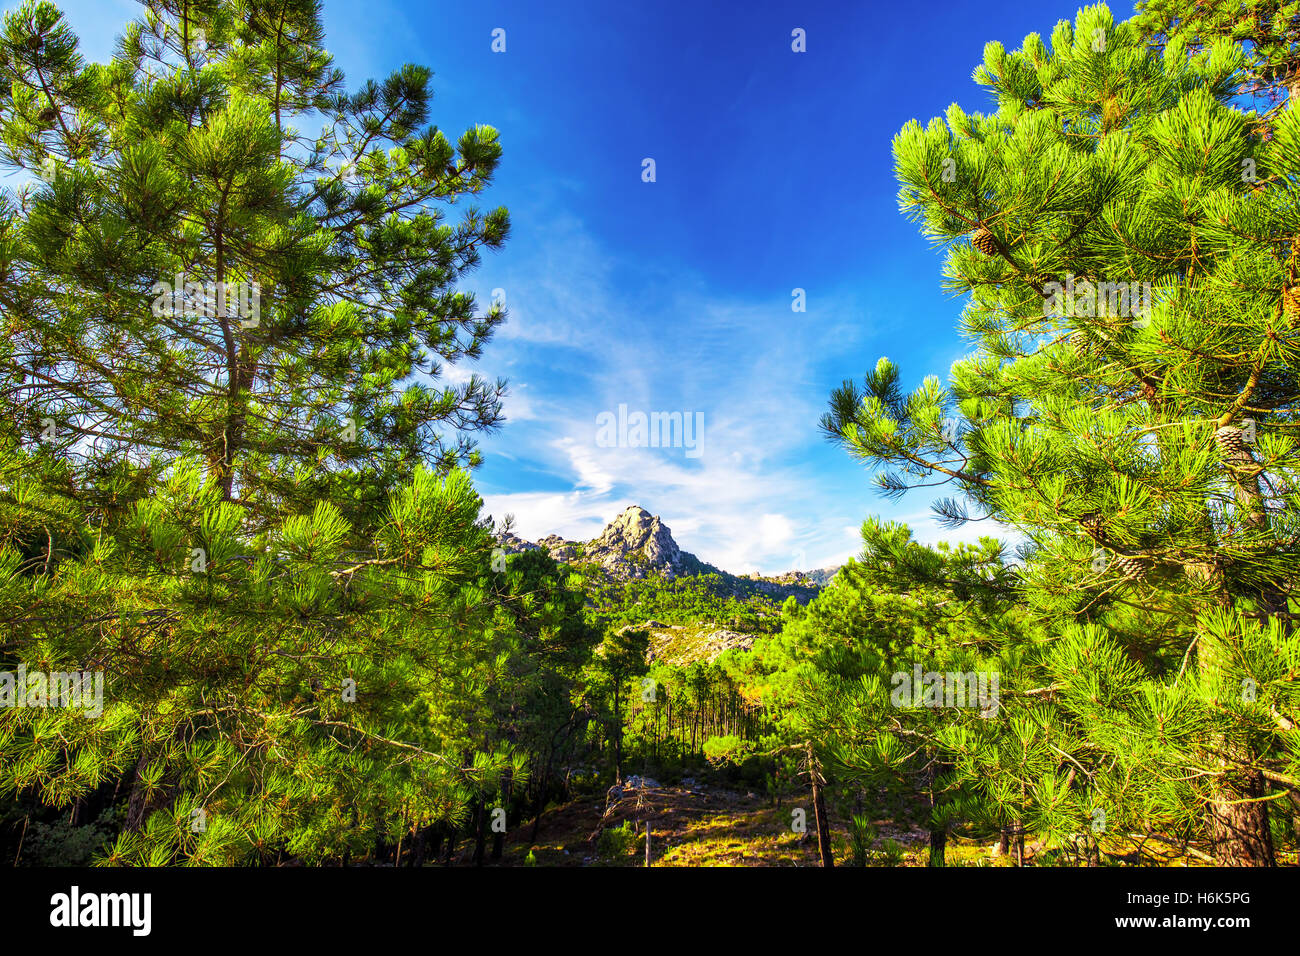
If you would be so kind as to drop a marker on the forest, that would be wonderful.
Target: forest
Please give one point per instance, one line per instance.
(254, 610)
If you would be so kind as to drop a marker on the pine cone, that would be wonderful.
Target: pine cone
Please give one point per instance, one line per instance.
(1231, 445)
(1291, 306)
(48, 115)
(1130, 566)
(984, 242)
(1093, 525)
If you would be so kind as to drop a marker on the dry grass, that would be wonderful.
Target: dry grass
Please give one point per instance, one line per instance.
(708, 826)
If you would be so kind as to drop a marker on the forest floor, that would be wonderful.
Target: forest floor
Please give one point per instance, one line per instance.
(711, 826)
(701, 826)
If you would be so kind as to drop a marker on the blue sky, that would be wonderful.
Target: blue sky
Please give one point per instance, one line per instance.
(773, 172)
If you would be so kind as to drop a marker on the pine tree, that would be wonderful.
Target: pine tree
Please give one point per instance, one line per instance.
(198, 278)
(617, 662)
(901, 676)
(1269, 30)
(542, 605)
(1142, 443)
(219, 334)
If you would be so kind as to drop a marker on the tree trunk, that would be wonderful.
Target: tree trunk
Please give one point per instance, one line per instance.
(938, 842)
(618, 740)
(480, 832)
(1239, 821)
(498, 845)
(417, 856)
(819, 811)
(135, 805)
(1237, 817)
(543, 789)
(938, 834)
(450, 851)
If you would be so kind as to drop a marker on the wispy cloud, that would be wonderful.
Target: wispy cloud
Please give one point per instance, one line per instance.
(764, 494)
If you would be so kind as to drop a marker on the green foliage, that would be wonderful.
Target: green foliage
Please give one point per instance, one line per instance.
(726, 748)
(862, 835)
(620, 657)
(616, 843)
(1268, 30)
(616, 662)
(228, 691)
(256, 526)
(185, 157)
(684, 599)
(247, 514)
(64, 843)
(1142, 445)
(891, 853)
(833, 676)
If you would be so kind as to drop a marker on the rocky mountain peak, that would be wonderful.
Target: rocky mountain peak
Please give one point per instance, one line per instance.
(637, 544)
(638, 541)
(634, 544)
(637, 511)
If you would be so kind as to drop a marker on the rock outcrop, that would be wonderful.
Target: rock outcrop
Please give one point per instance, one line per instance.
(637, 544)
(511, 543)
(561, 549)
(716, 642)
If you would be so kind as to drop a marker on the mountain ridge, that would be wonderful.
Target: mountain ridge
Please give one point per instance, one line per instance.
(637, 544)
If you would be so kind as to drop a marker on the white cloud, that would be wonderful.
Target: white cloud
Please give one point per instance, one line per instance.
(775, 531)
(575, 515)
(589, 475)
(765, 494)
